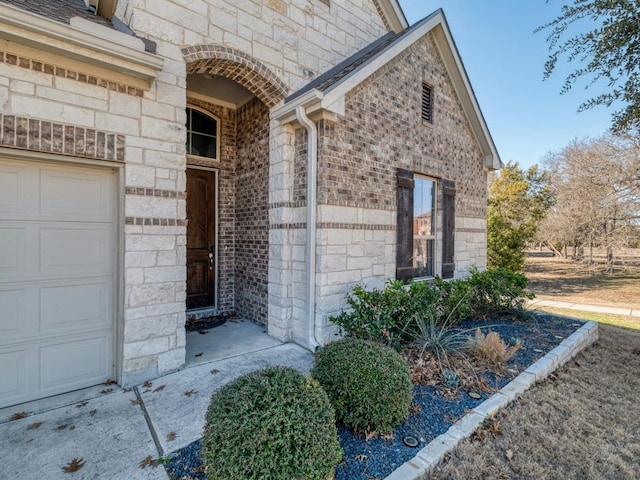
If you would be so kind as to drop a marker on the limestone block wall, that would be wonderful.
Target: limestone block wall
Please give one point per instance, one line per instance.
(286, 237)
(58, 106)
(297, 39)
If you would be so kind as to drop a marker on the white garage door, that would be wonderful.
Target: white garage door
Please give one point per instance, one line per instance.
(57, 278)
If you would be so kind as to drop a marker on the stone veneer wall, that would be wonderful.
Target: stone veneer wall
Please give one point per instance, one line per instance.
(382, 130)
(252, 212)
(297, 39)
(58, 108)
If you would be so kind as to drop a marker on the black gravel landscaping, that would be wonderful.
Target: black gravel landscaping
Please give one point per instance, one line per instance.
(435, 411)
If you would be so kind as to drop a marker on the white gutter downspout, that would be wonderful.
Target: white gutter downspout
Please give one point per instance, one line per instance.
(312, 170)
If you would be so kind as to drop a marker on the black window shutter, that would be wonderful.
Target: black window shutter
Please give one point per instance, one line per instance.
(448, 228)
(404, 256)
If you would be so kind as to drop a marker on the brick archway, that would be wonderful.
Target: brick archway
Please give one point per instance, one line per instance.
(237, 66)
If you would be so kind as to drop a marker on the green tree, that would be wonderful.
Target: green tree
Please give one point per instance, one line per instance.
(518, 201)
(606, 47)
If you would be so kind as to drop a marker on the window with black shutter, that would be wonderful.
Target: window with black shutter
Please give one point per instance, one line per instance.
(416, 227)
(404, 251)
(448, 228)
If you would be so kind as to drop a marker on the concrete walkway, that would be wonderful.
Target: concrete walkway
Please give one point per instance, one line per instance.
(584, 308)
(112, 434)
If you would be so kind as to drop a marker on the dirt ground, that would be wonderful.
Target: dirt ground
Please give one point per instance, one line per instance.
(552, 278)
(577, 424)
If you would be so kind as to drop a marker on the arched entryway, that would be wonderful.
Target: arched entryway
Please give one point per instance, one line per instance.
(228, 99)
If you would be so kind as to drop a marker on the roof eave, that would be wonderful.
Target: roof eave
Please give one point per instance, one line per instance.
(94, 44)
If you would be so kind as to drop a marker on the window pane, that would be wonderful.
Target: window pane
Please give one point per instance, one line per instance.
(424, 207)
(200, 123)
(201, 134)
(423, 257)
(202, 145)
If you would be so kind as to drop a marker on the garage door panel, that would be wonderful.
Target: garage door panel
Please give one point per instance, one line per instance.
(19, 250)
(9, 188)
(58, 253)
(69, 365)
(10, 252)
(13, 376)
(18, 184)
(76, 251)
(76, 306)
(85, 196)
(13, 321)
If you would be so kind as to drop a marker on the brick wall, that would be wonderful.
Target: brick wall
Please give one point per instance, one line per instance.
(382, 130)
(252, 211)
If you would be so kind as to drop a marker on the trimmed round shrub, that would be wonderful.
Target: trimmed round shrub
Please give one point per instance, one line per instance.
(272, 424)
(369, 385)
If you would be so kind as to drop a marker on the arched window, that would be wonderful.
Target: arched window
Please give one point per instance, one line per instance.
(202, 134)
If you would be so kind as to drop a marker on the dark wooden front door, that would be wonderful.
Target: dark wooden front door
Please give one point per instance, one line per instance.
(201, 236)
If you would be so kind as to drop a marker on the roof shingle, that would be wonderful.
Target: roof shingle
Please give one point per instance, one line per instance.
(358, 60)
(58, 10)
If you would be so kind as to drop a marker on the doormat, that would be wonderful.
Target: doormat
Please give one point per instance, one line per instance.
(206, 323)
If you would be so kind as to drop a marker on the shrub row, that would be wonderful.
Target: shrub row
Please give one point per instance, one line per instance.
(277, 424)
(387, 315)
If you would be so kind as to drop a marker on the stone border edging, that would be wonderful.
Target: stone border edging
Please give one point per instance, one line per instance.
(428, 457)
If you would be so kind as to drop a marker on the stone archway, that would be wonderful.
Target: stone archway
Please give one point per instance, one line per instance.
(237, 66)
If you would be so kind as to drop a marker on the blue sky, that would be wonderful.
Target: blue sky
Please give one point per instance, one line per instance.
(504, 59)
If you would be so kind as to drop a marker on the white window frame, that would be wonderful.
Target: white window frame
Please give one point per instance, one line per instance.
(435, 217)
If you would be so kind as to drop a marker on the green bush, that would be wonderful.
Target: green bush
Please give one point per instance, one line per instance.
(383, 315)
(368, 384)
(389, 315)
(497, 291)
(273, 424)
(455, 296)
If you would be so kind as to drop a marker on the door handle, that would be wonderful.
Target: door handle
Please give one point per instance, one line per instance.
(210, 260)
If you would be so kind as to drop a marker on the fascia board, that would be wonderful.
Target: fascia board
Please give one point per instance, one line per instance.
(394, 14)
(350, 82)
(462, 86)
(65, 40)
